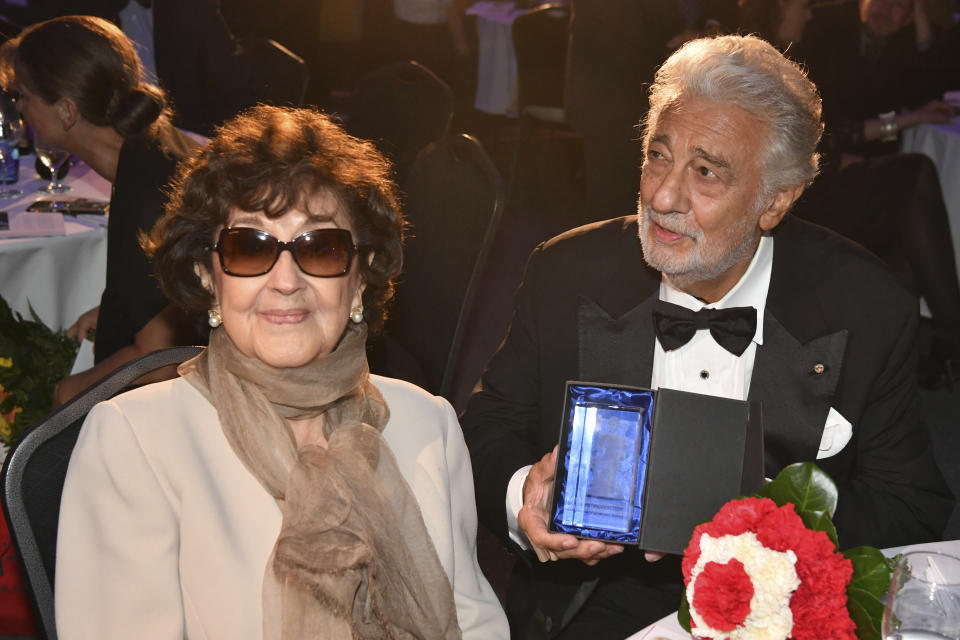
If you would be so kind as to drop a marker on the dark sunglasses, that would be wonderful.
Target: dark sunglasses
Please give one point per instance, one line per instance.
(324, 253)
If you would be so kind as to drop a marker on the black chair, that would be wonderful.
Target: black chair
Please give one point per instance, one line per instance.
(402, 108)
(34, 472)
(454, 200)
(277, 75)
(540, 44)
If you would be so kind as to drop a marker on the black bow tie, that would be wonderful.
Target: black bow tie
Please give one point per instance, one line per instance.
(733, 328)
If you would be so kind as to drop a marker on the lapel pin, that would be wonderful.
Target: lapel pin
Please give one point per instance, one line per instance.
(819, 368)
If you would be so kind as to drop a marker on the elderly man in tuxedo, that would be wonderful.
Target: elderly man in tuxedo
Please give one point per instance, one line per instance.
(826, 341)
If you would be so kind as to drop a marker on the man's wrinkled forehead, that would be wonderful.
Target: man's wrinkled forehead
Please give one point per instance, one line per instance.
(678, 105)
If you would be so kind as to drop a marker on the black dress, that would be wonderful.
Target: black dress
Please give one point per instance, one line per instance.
(132, 297)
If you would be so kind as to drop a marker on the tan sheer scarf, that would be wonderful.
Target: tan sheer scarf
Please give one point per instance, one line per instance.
(353, 558)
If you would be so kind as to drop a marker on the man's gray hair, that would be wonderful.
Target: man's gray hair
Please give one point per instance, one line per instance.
(748, 72)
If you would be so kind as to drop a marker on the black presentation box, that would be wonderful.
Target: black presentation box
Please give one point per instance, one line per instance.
(644, 467)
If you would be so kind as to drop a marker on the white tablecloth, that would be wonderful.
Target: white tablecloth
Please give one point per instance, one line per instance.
(496, 60)
(669, 628)
(60, 276)
(941, 142)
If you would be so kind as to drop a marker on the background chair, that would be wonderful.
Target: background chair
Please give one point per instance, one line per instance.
(402, 108)
(277, 75)
(454, 200)
(540, 44)
(34, 471)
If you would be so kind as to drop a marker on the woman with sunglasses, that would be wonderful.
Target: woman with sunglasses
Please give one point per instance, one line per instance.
(276, 489)
(80, 90)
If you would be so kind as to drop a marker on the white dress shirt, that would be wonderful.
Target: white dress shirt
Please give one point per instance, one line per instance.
(700, 366)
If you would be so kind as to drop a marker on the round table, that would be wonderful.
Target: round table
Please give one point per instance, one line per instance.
(941, 142)
(59, 276)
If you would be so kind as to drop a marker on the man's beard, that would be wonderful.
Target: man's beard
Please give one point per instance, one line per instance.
(707, 259)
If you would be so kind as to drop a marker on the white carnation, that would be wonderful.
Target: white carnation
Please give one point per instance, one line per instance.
(774, 578)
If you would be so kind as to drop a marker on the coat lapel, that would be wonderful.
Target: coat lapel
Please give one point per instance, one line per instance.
(618, 350)
(796, 383)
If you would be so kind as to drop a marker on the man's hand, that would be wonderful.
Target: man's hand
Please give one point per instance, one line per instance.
(533, 517)
(934, 112)
(84, 325)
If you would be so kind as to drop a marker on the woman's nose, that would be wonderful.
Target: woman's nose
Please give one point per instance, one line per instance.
(286, 275)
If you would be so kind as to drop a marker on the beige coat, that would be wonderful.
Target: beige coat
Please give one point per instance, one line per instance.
(165, 534)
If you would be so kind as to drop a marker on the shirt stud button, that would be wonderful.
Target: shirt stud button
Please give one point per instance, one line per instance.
(704, 374)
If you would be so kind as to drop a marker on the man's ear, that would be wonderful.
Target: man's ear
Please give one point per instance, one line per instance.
(206, 278)
(779, 207)
(67, 112)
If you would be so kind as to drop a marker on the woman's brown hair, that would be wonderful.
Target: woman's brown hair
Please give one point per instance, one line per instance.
(271, 160)
(90, 61)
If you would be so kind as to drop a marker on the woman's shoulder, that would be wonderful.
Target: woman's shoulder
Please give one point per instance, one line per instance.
(169, 406)
(406, 393)
(158, 395)
(414, 409)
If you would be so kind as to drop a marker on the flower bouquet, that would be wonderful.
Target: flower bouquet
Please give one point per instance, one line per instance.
(767, 568)
(33, 358)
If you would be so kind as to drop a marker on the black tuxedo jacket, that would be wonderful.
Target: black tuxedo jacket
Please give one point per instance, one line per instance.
(584, 312)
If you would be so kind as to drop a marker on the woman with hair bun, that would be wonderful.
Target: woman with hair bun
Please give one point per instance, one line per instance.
(80, 89)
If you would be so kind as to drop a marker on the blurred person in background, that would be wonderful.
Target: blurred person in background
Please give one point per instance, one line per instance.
(187, 48)
(889, 202)
(81, 90)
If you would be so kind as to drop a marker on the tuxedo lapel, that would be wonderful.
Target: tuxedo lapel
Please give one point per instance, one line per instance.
(620, 349)
(796, 383)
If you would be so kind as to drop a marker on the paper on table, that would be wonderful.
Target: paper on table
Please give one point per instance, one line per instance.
(667, 628)
(84, 359)
(27, 224)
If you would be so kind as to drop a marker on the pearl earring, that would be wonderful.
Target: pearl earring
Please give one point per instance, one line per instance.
(356, 314)
(214, 319)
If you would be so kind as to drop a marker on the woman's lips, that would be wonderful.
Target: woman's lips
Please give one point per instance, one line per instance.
(288, 316)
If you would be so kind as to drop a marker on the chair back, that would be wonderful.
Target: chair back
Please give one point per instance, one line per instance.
(454, 200)
(402, 108)
(277, 75)
(35, 469)
(540, 43)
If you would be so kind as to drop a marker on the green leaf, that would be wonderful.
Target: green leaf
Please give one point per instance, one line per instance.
(806, 486)
(683, 613)
(868, 628)
(819, 521)
(41, 358)
(872, 572)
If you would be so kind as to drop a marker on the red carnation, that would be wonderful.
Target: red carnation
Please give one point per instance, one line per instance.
(723, 594)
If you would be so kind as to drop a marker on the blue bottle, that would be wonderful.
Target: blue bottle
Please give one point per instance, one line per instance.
(11, 161)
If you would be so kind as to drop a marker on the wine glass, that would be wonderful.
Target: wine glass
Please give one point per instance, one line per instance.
(924, 598)
(11, 132)
(52, 158)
